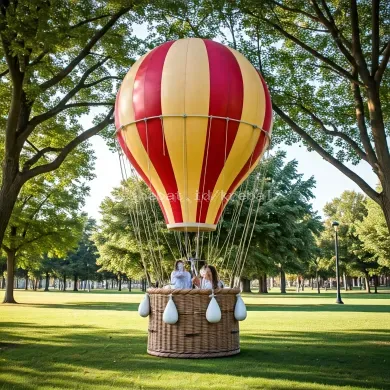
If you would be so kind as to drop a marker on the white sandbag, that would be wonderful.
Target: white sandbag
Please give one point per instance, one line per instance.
(213, 313)
(240, 309)
(170, 316)
(144, 306)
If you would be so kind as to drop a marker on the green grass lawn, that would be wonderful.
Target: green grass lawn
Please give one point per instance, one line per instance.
(97, 341)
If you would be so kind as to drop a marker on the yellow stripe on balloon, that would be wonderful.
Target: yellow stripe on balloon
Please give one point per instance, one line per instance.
(185, 89)
(247, 137)
(133, 140)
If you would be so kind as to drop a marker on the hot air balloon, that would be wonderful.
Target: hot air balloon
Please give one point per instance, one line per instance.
(194, 118)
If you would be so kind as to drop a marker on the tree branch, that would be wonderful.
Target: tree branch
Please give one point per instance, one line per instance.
(334, 31)
(33, 160)
(86, 21)
(83, 53)
(61, 106)
(356, 44)
(38, 58)
(4, 73)
(89, 85)
(56, 110)
(34, 214)
(34, 239)
(328, 157)
(68, 148)
(383, 65)
(335, 133)
(6, 248)
(375, 36)
(315, 53)
(361, 121)
(295, 10)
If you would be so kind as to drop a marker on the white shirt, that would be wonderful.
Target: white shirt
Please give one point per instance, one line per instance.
(181, 279)
(207, 285)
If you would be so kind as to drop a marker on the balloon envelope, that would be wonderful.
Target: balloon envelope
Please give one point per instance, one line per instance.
(194, 118)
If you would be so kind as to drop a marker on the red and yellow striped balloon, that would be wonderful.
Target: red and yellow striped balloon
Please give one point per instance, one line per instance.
(194, 117)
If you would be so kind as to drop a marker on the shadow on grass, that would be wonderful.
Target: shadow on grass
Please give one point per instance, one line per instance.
(116, 306)
(354, 358)
(384, 294)
(111, 292)
(322, 307)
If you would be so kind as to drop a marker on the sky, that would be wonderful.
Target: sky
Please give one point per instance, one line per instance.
(330, 181)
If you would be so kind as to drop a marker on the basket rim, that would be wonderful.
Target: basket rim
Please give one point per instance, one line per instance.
(193, 291)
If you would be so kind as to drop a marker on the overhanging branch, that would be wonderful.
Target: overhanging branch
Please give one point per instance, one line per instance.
(383, 65)
(337, 68)
(92, 42)
(335, 133)
(67, 149)
(366, 188)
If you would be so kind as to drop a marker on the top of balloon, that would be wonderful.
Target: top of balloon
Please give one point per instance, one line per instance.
(194, 117)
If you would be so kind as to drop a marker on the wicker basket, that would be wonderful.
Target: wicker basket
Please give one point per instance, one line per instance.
(193, 336)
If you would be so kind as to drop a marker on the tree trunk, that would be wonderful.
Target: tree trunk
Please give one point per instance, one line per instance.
(368, 288)
(47, 281)
(282, 281)
(265, 288)
(345, 282)
(26, 280)
(75, 279)
(318, 284)
(106, 284)
(376, 284)
(10, 188)
(303, 284)
(2, 285)
(9, 289)
(245, 285)
(129, 284)
(261, 287)
(119, 283)
(64, 281)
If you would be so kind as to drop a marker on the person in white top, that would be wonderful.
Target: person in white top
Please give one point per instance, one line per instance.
(209, 278)
(180, 278)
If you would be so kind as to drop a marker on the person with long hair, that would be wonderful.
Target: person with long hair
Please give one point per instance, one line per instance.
(180, 277)
(210, 279)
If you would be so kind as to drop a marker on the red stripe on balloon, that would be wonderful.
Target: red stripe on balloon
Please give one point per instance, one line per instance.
(255, 155)
(147, 103)
(139, 170)
(226, 100)
(267, 123)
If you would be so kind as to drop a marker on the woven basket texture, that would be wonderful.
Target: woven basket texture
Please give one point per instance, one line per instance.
(193, 336)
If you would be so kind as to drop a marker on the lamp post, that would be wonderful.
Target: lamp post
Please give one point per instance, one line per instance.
(335, 225)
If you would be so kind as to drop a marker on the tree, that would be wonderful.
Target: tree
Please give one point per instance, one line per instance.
(329, 49)
(132, 239)
(58, 60)
(281, 224)
(349, 210)
(82, 262)
(373, 233)
(46, 219)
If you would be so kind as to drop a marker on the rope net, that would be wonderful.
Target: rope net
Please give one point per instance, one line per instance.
(227, 247)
